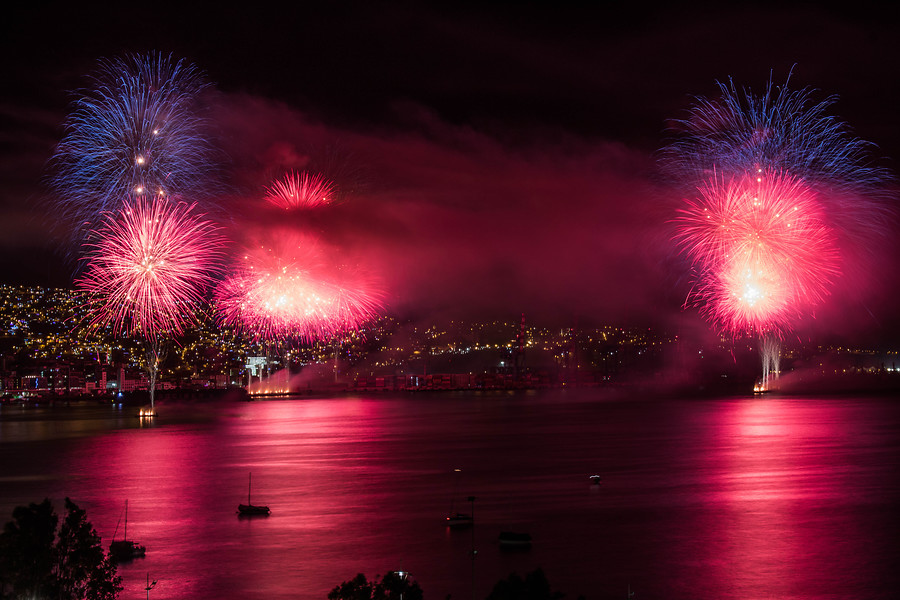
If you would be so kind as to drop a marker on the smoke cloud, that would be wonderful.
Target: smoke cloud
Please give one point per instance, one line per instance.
(458, 223)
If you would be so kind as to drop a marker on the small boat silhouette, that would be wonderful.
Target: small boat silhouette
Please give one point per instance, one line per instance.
(250, 509)
(125, 549)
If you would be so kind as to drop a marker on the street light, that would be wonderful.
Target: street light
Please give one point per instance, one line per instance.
(402, 575)
(471, 499)
(150, 586)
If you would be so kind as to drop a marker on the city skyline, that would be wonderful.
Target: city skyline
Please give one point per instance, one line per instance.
(493, 161)
(46, 351)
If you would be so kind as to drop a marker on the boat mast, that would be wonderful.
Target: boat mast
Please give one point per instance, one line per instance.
(249, 480)
(126, 521)
(455, 490)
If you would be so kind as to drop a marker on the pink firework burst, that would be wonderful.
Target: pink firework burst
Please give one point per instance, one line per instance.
(762, 252)
(149, 265)
(287, 289)
(300, 191)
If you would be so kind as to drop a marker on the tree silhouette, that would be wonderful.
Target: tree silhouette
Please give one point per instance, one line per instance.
(26, 551)
(82, 569)
(391, 587)
(35, 563)
(533, 587)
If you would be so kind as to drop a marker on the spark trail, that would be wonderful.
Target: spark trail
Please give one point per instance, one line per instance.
(149, 266)
(139, 130)
(300, 191)
(780, 130)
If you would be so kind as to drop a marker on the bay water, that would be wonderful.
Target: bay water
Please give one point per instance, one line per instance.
(734, 497)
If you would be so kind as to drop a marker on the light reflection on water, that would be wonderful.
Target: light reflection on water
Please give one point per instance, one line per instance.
(726, 498)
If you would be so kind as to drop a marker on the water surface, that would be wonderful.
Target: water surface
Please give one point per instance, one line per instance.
(716, 498)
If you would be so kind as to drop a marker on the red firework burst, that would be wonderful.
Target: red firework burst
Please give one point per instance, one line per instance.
(150, 264)
(300, 191)
(288, 290)
(762, 252)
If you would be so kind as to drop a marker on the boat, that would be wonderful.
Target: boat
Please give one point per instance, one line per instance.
(125, 549)
(250, 509)
(513, 539)
(595, 479)
(458, 519)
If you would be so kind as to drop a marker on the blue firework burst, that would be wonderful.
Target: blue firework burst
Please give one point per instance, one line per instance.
(139, 129)
(779, 130)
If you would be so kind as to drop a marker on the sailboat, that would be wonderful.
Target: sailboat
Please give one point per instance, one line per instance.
(249, 509)
(458, 519)
(125, 549)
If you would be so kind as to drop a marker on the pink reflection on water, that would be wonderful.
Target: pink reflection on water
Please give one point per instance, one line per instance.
(161, 474)
(776, 494)
(729, 498)
(312, 464)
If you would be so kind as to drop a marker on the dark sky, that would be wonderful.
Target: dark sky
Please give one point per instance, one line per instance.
(499, 158)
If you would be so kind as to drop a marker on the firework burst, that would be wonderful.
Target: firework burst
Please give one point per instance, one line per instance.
(780, 130)
(149, 267)
(761, 249)
(287, 290)
(138, 131)
(300, 191)
(753, 272)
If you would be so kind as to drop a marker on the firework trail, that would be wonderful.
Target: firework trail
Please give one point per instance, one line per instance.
(762, 252)
(149, 266)
(138, 131)
(770, 353)
(781, 130)
(300, 191)
(287, 290)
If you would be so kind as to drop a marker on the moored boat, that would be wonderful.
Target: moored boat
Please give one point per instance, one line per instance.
(514, 539)
(251, 509)
(125, 549)
(459, 519)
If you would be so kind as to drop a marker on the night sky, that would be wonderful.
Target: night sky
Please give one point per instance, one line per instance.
(495, 160)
